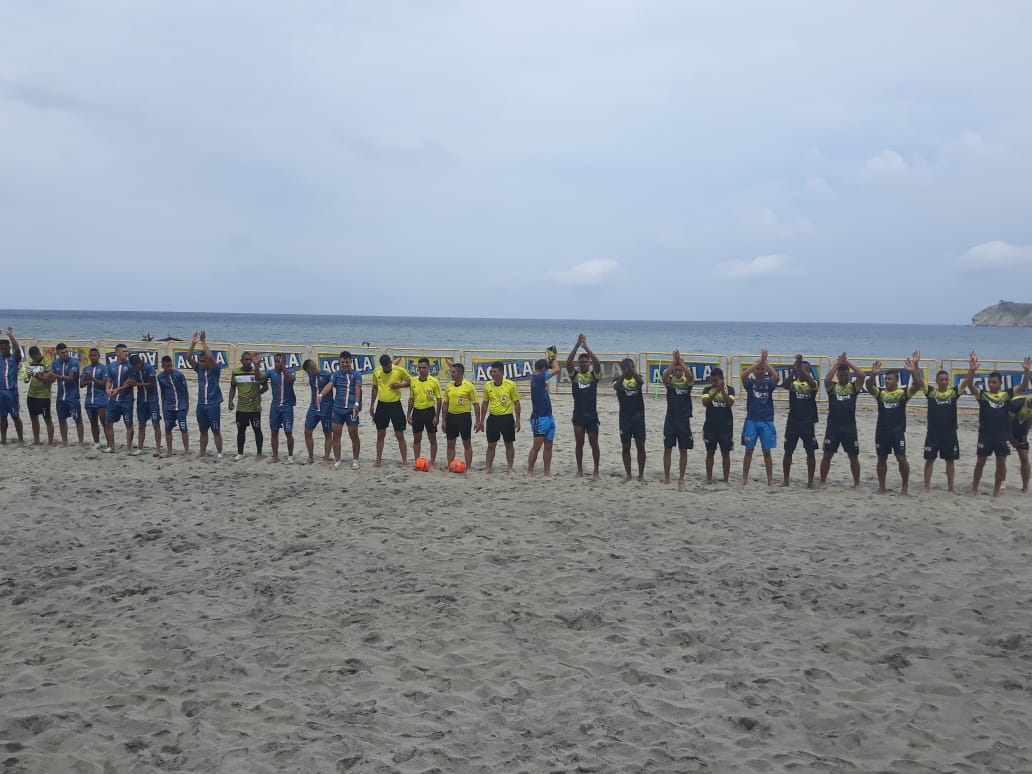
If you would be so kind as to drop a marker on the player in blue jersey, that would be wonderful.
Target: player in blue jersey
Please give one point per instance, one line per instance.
(94, 378)
(758, 383)
(120, 400)
(318, 414)
(10, 362)
(148, 408)
(347, 405)
(542, 423)
(281, 411)
(175, 400)
(209, 394)
(66, 374)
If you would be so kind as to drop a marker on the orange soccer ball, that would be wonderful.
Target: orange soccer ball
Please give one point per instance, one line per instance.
(457, 466)
(422, 464)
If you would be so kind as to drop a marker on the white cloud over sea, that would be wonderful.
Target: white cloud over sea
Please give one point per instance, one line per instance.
(417, 158)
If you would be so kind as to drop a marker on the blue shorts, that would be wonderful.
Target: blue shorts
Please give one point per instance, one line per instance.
(93, 412)
(543, 427)
(766, 432)
(209, 417)
(281, 416)
(69, 409)
(175, 418)
(348, 418)
(150, 410)
(314, 418)
(9, 403)
(119, 412)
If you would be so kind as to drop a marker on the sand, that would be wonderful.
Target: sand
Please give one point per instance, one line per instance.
(173, 615)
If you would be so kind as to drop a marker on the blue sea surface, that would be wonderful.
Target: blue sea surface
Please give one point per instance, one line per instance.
(605, 336)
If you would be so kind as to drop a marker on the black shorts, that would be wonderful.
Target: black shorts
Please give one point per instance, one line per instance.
(632, 426)
(943, 445)
(722, 437)
(997, 444)
(678, 432)
(389, 414)
(588, 421)
(1019, 435)
(800, 431)
(501, 426)
(39, 407)
(251, 419)
(888, 442)
(459, 425)
(845, 437)
(423, 420)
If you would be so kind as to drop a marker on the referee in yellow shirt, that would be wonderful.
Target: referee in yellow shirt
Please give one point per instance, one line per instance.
(424, 407)
(501, 407)
(385, 406)
(460, 401)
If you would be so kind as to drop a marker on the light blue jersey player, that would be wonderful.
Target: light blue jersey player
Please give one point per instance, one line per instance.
(10, 362)
(66, 374)
(209, 393)
(94, 378)
(120, 386)
(175, 400)
(148, 409)
(318, 413)
(281, 409)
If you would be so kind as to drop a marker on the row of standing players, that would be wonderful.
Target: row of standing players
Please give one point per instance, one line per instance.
(1004, 415)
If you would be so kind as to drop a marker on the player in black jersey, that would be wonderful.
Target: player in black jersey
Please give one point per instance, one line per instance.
(802, 418)
(941, 436)
(584, 384)
(843, 392)
(628, 386)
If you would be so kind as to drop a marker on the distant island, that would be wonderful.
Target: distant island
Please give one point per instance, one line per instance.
(1004, 314)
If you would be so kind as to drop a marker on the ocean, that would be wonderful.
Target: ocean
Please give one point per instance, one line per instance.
(876, 340)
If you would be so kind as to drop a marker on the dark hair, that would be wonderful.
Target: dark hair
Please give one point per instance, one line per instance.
(94, 349)
(460, 366)
(34, 350)
(541, 364)
(717, 372)
(120, 346)
(62, 345)
(304, 365)
(166, 359)
(385, 359)
(279, 354)
(584, 356)
(135, 359)
(997, 374)
(499, 365)
(345, 355)
(842, 367)
(627, 360)
(424, 360)
(940, 373)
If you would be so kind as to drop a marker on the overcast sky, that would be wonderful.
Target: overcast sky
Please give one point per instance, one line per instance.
(678, 160)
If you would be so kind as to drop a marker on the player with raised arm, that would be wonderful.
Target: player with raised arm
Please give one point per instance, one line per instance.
(941, 432)
(584, 380)
(758, 382)
(542, 423)
(802, 418)
(890, 433)
(209, 394)
(718, 429)
(843, 391)
(10, 362)
(678, 380)
(629, 385)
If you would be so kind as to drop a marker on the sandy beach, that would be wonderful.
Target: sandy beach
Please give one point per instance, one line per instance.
(200, 616)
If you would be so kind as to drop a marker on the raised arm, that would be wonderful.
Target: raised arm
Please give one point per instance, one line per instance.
(872, 382)
(804, 373)
(914, 366)
(573, 353)
(748, 372)
(829, 378)
(1025, 380)
(190, 359)
(15, 349)
(969, 380)
(596, 364)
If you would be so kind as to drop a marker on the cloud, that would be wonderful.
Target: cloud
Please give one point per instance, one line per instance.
(760, 266)
(995, 254)
(591, 272)
(767, 222)
(884, 164)
(818, 187)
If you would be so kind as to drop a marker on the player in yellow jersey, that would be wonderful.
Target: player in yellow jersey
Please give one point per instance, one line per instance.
(385, 406)
(460, 403)
(424, 408)
(501, 407)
